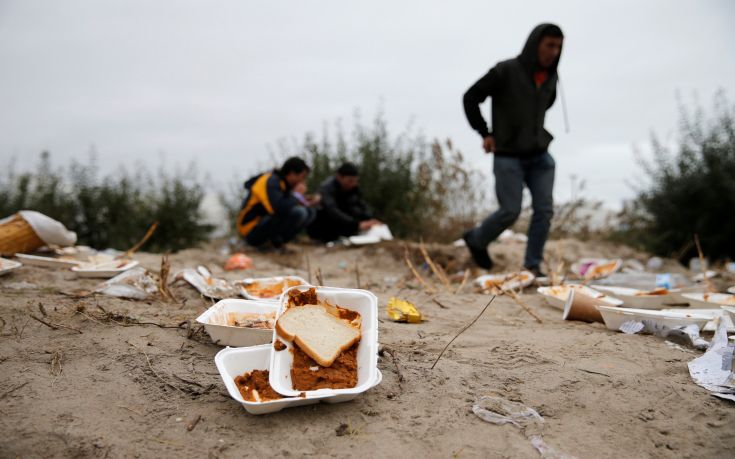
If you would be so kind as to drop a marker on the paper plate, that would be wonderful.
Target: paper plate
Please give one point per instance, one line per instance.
(46, 262)
(615, 317)
(557, 295)
(7, 266)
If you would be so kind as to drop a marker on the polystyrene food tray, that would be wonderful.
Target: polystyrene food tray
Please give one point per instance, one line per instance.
(631, 299)
(47, 262)
(615, 317)
(559, 301)
(233, 362)
(267, 280)
(699, 300)
(225, 335)
(8, 265)
(361, 301)
(104, 273)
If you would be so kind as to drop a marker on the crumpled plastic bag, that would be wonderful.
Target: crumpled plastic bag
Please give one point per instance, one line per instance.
(135, 284)
(238, 262)
(499, 411)
(208, 285)
(496, 410)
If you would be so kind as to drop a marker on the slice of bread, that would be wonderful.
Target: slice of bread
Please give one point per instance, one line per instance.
(322, 336)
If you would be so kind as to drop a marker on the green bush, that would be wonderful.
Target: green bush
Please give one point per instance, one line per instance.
(420, 189)
(113, 211)
(691, 191)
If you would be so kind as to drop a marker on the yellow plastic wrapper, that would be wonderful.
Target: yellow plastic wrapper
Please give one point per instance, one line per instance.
(403, 311)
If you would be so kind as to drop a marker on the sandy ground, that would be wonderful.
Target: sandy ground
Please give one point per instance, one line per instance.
(130, 391)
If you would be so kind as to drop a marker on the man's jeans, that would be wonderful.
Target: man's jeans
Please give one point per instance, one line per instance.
(537, 172)
(280, 228)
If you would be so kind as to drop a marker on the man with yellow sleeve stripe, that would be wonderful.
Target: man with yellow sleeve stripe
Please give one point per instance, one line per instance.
(271, 212)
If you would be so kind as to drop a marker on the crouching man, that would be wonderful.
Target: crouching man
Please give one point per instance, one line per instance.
(271, 214)
(343, 212)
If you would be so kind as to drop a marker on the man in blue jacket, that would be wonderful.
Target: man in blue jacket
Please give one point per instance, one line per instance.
(522, 89)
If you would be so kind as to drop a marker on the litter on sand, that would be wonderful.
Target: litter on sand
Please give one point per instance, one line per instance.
(714, 369)
(206, 284)
(688, 334)
(135, 284)
(238, 261)
(403, 311)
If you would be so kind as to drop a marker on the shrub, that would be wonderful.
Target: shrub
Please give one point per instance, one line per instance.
(691, 191)
(420, 189)
(113, 211)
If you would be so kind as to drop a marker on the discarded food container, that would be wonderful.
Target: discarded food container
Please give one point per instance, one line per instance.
(615, 317)
(596, 268)
(7, 266)
(505, 281)
(403, 311)
(217, 320)
(731, 290)
(206, 284)
(268, 288)
(47, 262)
(234, 362)
(557, 295)
(641, 299)
(709, 300)
(713, 314)
(705, 275)
(582, 308)
(361, 301)
(104, 271)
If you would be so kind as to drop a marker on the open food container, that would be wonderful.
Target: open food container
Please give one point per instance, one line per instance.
(268, 288)
(506, 281)
(596, 268)
(215, 321)
(357, 300)
(47, 262)
(615, 317)
(8, 265)
(557, 295)
(233, 362)
(104, 270)
(709, 300)
(641, 299)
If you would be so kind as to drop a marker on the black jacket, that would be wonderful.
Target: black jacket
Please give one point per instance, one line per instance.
(518, 107)
(343, 208)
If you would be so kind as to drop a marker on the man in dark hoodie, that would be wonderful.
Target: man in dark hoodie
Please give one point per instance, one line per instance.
(271, 212)
(522, 89)
(343, 212)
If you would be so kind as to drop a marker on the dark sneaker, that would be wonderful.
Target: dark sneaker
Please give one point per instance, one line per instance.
(536, 271)
(479, 255)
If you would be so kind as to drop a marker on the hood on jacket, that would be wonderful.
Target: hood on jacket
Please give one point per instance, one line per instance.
(529, 55)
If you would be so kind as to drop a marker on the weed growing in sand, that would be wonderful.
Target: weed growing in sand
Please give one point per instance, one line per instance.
(111, 211)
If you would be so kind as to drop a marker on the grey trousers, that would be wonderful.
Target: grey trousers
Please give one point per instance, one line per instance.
(537, 172)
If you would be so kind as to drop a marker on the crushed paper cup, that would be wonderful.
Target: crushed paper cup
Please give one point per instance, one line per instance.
(582, 308)
(403, 311)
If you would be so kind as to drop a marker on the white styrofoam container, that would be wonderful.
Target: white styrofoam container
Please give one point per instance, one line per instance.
(615, 317)
(267, 280)
(46, 262)
(8, 265)
(713, 315)
(361, 301)
(225, 335)
(591, 263)
(103, 273)
(515, 281)
(559, 300)
(699, 300)
(233, 362)
(731, 290)
(631, 297)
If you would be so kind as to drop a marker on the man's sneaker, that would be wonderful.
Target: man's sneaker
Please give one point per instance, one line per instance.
(536, 271)
(479, 255)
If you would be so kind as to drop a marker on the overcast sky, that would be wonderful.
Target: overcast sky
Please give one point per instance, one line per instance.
(219, 81)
